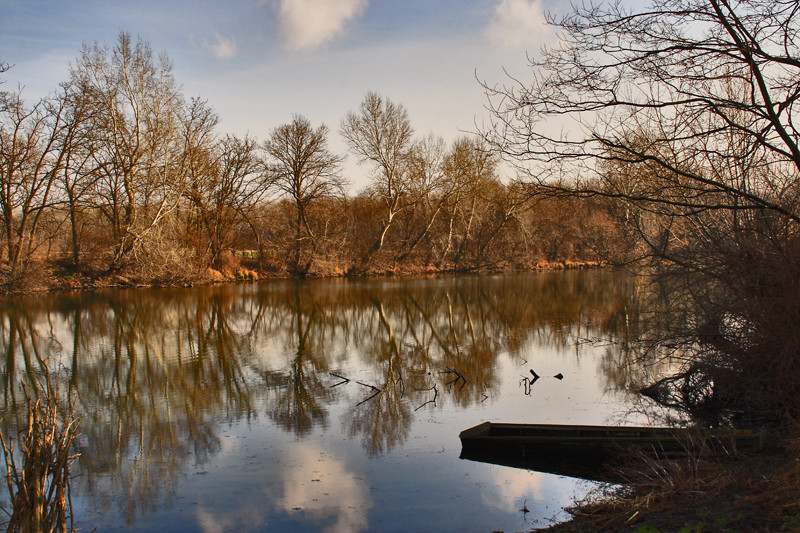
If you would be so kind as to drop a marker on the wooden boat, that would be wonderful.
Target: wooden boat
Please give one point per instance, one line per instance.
(583, 448)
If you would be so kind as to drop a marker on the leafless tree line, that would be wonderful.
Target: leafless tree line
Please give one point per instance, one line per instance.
(118, 174)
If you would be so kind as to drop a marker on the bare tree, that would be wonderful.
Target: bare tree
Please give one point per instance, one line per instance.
(138, 147)
(685, 112)
(4, 67)
(305, 171)
(75, 180)
(703, 92)
(226, 192)
(32, 150)
(381, 134)
(428, 190)
(470, 169)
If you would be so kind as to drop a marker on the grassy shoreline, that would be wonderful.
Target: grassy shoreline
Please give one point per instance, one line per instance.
(734, 493)
(50, 277)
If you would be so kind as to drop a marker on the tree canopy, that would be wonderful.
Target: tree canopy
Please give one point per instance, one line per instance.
(702, 91)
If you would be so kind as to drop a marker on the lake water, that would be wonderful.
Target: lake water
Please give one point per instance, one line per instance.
(330, 405)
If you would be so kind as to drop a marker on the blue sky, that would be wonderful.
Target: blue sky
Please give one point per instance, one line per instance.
(258, 62)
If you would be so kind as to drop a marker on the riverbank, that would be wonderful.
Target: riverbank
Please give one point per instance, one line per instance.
(736, 493)
(52, 277)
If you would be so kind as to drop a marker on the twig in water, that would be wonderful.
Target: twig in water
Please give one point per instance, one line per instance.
(344, 379)
(402, 385)
(348, 380)
(525, 510)
(457, 378)
(373, 387)
(365, 400)
(433, 401)
(526, 382)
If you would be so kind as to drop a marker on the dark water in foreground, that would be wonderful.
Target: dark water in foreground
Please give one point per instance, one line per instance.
(328, 406)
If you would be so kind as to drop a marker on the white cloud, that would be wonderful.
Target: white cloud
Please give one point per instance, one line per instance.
(223, 48)
(306, 24)
(518, 24)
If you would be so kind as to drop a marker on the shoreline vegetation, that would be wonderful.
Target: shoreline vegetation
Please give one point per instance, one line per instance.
(732, 493)
(51, 277)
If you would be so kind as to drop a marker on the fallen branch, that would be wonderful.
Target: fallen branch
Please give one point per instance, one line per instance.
(458, 377)
(527, 383)
(348, 380)
(433, 401)
(373, 387)
(344, 379)
(365, 400)
(402, 385)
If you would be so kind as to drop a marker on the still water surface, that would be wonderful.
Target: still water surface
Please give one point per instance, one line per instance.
(330, 406)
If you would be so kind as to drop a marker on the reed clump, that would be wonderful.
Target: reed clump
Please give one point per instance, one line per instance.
(39, 487)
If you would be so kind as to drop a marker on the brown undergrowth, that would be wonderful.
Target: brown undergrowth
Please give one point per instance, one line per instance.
(729, 492)
(44, 276)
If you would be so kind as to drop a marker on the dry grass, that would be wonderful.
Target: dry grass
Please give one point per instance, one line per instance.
(700, 492)
(39, 489)
(781, 490)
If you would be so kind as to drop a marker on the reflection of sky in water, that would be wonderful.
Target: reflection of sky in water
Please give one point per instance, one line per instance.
(318, 486)
(264, 479)
(281, 444)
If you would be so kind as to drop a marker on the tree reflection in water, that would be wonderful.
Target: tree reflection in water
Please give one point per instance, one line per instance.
(155, 371)
(299, 393)
(383, 420)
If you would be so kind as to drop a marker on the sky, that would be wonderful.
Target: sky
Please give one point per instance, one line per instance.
(259, 62)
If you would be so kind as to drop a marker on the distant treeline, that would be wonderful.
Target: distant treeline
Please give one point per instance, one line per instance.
(117, 178)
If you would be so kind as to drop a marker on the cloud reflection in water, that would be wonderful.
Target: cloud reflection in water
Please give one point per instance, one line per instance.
(318, 485)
